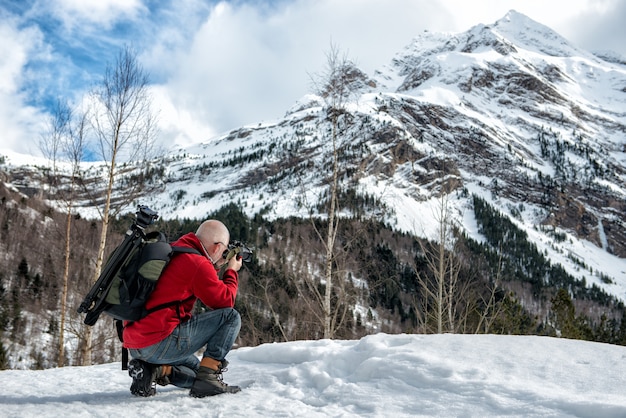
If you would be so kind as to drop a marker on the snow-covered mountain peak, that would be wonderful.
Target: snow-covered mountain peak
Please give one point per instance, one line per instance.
(528, 34)
(509, 111)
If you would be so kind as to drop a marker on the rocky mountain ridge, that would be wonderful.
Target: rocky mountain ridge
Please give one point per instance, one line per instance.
(510, 111)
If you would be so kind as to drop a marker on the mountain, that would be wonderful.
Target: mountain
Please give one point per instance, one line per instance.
(510, 111)
(517, 132)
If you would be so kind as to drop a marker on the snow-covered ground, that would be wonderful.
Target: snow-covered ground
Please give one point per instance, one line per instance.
(380, 376)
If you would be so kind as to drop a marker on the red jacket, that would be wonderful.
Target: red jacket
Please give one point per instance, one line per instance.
(188, 276)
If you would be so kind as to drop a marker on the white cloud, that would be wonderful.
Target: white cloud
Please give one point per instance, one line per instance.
(177, 125)
(598, 27)
(20, 123)
(103, 13)
(246, 64)
(13, 55)
(222, 65)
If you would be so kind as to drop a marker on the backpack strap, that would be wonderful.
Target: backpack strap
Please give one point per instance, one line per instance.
(119, 326)
(177, 249)
(189, 250)
(176, 303)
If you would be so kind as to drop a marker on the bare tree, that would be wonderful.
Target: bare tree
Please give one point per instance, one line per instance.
(334, 86)
(65, 141)
(124, 124)
(441, 286)
(51, 141)
(492, 306)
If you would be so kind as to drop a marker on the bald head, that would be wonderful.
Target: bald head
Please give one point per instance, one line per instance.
(212, 231)
(214, 237)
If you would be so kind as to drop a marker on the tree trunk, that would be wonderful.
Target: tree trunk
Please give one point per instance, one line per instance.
(87, 347)
(441, 274)
(66, 270)
(330, 241)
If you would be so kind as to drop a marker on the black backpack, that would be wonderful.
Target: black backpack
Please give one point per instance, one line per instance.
(138, 276)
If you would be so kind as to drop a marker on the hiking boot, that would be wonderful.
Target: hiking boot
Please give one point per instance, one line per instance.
(209, 382)
(163, 380)
(144, 375)
(163, 375)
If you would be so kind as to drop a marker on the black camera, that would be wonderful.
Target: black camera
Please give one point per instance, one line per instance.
(145, 216)
(236, 248)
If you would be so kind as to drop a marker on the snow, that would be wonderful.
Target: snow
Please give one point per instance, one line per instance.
(379, 376)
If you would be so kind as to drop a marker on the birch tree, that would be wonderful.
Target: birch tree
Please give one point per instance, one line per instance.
(441, 286)
(65, 142)
(124, 125)
(334, 86)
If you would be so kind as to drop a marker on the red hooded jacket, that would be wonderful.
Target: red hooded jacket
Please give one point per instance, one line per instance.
(187, 277)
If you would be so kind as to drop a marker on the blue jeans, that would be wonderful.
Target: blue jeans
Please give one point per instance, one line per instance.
(217, 330)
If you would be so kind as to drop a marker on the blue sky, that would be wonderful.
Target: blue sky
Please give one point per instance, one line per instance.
(216, 66)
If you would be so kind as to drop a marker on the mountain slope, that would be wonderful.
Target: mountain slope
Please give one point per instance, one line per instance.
(511, 112)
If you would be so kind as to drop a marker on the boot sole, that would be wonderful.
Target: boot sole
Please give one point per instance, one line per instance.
(231, 389)
(142, 382)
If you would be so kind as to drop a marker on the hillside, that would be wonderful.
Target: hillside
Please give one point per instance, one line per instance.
(510, 112)
(513, 133)
(378, 375)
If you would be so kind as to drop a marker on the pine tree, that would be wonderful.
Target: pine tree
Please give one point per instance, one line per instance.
(564, 314)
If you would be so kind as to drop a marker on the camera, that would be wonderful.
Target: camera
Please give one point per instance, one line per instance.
(145, 216)
(237, 248)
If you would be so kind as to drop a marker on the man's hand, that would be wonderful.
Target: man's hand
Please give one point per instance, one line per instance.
(235, 263)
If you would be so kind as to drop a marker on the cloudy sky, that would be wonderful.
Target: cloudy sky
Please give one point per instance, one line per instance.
(218, 65)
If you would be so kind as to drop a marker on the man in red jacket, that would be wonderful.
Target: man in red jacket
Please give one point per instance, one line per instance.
(163, 344)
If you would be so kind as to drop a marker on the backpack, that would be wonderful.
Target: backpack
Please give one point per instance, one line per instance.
(131, 274)
(136, 279)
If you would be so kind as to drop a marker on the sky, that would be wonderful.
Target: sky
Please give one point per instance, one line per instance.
(218, 65)
(381, 375)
